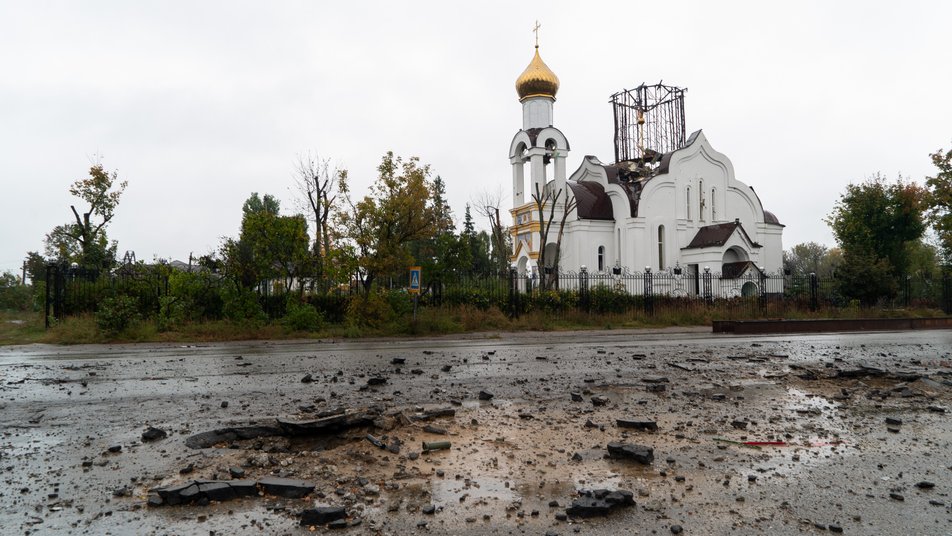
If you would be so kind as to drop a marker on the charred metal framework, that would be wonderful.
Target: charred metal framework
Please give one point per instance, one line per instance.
(649, 121)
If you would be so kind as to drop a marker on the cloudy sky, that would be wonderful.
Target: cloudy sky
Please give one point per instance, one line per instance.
(198, 104)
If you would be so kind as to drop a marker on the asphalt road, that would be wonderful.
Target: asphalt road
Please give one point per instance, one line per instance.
(841, 466)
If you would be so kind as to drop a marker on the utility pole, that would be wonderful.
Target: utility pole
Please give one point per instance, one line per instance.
(23, 277)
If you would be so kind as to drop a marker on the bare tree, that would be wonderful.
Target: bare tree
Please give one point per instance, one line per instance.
(320, 186)
(487, 205)
(543, 199)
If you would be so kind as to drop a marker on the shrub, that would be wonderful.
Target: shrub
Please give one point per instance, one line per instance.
(370, 310)
(302, 317)
(116, 313)
(241, 305)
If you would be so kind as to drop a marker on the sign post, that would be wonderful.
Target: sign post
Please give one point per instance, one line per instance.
(415, 272)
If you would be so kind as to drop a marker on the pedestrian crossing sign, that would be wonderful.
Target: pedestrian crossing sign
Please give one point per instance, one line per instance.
(415, 279)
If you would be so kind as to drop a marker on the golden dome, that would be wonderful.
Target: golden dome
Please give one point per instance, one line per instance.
(537, 80)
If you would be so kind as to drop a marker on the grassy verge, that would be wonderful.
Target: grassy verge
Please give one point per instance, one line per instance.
(26, 328)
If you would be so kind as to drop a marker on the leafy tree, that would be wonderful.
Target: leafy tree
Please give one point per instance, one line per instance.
(940, 201)
(270, 246)
(810, 257)
(877, 221)
(398, 211)
(84, 240)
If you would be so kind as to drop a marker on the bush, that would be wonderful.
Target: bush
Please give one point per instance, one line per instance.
(116, 313)
(302, 317)
(370, 310)
(242, 305)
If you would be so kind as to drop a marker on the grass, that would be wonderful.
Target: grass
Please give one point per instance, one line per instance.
(27, 327)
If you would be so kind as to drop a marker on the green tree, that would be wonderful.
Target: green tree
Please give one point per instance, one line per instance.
(270, 246)
(805, 258)
(398, 211)
(84, 240)
(879, 220)
(940, 201)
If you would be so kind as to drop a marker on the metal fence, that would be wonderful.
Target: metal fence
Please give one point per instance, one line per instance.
(74, 290)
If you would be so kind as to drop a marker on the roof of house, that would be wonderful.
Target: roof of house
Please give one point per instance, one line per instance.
(717, 235)
(733, 270)
(592, 202)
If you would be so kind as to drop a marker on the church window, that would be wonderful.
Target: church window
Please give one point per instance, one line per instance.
(601, 258)
(688, 204)
(661, 247)
(713, 204)
(700, 200)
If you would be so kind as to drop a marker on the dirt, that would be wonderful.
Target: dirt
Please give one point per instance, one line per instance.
(517, 460)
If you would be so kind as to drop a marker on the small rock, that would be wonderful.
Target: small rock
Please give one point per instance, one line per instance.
(599, 400)
(576, 397)
(307, 378)
(896, 497)
(676, 529)
(322, 515)
(486, 395)
(115, 448)
(639, 453)
(644, 426)
(925, 484)
(429, 509)
(153, 434)
(893, 421)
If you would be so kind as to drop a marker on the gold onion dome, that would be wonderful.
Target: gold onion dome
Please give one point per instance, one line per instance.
(537, 80)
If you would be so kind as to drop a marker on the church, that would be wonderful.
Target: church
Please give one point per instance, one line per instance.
(669, 203)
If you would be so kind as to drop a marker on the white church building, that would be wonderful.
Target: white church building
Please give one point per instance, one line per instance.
(669, 202)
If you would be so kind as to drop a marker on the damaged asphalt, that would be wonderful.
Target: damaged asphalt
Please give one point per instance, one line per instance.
(613, 432)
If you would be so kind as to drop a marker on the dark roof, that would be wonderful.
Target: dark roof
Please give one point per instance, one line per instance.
(770, 218)
(717, 235)
(534, 135)
(733, 270)
(593, 202)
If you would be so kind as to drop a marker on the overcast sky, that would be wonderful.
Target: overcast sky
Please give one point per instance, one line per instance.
(198, 104)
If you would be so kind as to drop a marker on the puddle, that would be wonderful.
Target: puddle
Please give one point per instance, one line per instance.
(448, 492)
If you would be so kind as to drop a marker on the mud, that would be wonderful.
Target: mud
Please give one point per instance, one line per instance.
(517, 460)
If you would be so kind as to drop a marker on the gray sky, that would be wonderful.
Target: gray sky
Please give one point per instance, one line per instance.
(198, 104)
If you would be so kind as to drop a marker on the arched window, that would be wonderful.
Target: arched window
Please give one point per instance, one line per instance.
(601, 258)
(661, 247)
(687, 205)
(713, 204)
(700, 200)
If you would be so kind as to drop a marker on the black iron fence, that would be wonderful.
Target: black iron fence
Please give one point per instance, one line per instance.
(161, 291)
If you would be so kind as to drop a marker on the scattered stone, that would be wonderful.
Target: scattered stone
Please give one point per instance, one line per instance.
(322, 515)
(639, 453)
(739, 424)
(835, 528)
(644, 426)
(925, 484)
(224, 404)
(893, 421)
(376, 380)
(676, 529)
(599, 503)
(115, 448)
(153, 434)
(307, 378)
(338, 524)
(896, 497)
(398, 361)
(446, 368)
(429, 509)
(576, 397)
(599, 400)
(286, 487)
(486, 395)
(236, 472)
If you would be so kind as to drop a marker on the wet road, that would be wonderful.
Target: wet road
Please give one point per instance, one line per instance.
(63, 407)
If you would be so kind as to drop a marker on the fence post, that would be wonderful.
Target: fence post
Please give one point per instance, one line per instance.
(649, 304)
(583, 288)
(814, 292)
(513, 294)
(947, 293)
(763, 292)
(46, 304)
(708, 295)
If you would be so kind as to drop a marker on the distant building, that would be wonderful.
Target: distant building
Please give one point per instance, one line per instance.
(669, 200)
